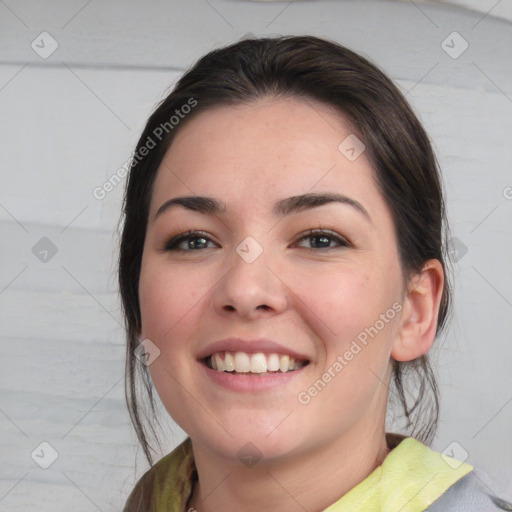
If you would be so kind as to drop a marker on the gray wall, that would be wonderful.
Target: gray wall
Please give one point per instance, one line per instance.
(71, 119)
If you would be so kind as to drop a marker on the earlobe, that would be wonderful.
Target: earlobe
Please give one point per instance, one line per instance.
(418, 323)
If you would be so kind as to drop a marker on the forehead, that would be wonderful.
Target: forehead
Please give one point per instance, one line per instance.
(264, 151)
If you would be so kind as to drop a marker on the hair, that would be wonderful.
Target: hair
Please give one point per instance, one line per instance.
(405, 172)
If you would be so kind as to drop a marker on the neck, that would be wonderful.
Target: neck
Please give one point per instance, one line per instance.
(312, 481)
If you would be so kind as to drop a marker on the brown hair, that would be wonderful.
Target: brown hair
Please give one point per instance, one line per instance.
(406, 173)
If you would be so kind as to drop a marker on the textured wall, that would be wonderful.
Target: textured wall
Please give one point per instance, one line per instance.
(69, 120)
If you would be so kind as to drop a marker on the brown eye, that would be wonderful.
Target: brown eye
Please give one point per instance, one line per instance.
(190, 241)
(322, 239)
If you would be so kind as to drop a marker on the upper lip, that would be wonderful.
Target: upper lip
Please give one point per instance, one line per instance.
(250, 347)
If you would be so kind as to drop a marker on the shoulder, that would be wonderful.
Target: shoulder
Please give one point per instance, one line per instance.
(435, 482)
(166, 485)
(472, 493)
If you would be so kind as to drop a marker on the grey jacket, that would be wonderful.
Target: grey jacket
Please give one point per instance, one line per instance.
(471, 493)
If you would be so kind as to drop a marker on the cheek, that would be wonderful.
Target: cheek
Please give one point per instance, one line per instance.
(169, 319)
(341, 301)
(343, 307)
(166, 297)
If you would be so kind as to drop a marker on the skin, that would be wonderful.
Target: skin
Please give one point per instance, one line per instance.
(317, 302)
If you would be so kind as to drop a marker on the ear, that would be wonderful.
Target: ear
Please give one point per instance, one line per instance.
(418, 321)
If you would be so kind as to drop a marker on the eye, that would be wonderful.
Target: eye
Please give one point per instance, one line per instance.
(189, 241)
(196, 240)
(323, 239)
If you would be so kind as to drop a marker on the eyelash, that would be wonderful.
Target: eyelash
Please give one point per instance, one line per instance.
(173, 242)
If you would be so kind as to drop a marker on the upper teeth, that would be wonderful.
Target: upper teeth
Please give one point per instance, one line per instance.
(255, 363)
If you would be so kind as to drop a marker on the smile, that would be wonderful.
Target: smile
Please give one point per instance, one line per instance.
(242, 363)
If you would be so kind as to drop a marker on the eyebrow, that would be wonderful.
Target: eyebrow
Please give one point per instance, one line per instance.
(283, 207)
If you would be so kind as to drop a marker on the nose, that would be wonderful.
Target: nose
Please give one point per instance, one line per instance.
(250, 289)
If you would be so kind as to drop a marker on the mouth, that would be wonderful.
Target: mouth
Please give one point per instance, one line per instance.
(253, 365)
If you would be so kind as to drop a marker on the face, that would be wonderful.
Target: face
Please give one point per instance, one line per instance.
(253, 285)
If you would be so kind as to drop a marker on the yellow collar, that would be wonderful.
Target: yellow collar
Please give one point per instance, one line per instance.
(410, 479)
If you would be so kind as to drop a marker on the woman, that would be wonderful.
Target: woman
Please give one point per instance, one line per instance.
(282, 263)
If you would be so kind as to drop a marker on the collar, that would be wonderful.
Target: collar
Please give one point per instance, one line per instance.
(410, 479)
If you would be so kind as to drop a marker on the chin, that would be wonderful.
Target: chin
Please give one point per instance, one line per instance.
(252, 445)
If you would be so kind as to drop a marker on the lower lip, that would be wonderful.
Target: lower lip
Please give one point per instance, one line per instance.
(250, 383)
